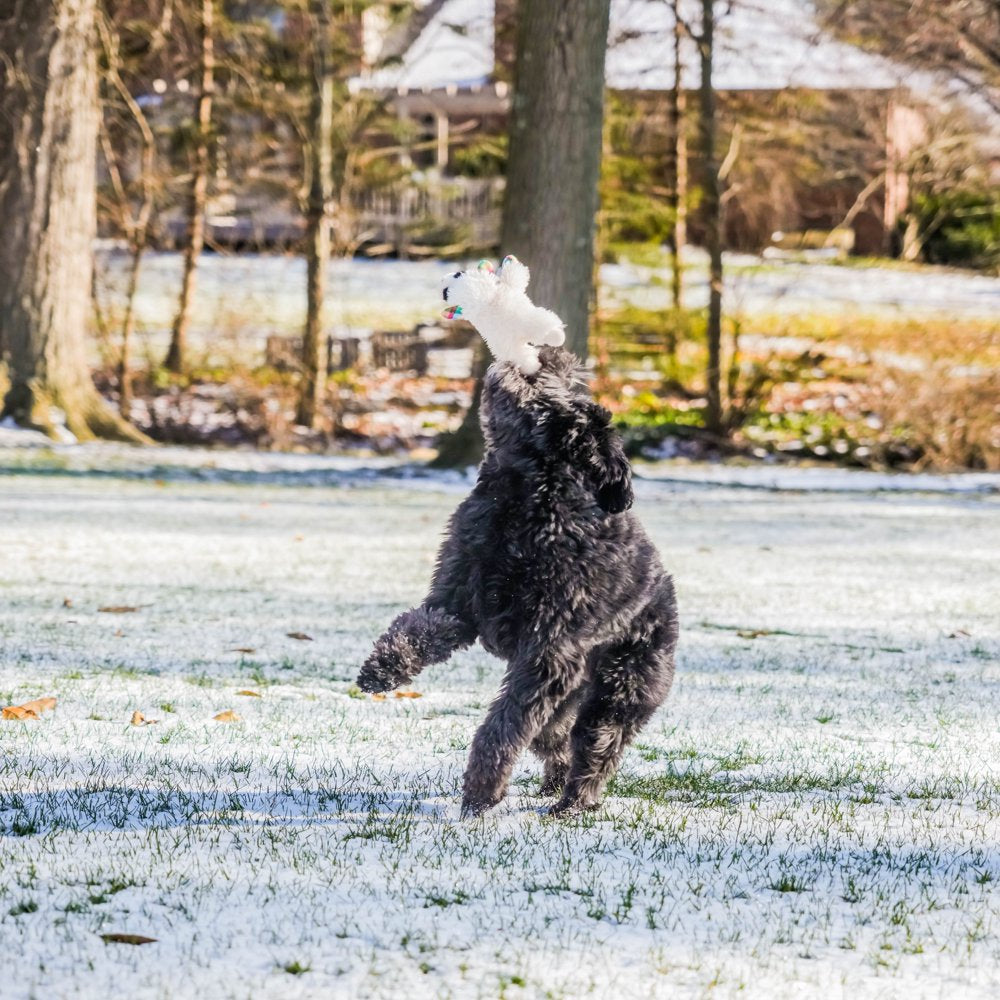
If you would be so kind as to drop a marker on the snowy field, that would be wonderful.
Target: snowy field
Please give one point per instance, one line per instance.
(241, 299)
(814, 812)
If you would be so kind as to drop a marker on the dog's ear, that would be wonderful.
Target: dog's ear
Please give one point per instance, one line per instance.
(612, 473)
(513, 274)
(616, 495)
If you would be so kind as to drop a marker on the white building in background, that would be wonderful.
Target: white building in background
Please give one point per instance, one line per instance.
(449, 69)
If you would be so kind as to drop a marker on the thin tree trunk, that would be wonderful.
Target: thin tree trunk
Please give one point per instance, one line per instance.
(712, 208)
(311, 391)
(177, 358)
(48, 95)
(555, 150)
(128, 328)
(677, 169)
(136, 228)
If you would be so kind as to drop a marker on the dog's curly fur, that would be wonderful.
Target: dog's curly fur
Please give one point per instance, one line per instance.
(547, 567)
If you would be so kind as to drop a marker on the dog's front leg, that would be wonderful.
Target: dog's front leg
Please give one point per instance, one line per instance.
(417, 638)
(532, 691)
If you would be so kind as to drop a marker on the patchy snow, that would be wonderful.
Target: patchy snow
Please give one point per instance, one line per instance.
(819, 479)
(28, 451)
(815, 811)
(754, 285)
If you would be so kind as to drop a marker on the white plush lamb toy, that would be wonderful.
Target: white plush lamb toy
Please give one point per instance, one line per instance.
(496, 304)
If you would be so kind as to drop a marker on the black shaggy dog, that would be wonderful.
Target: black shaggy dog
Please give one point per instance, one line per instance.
(546, 566)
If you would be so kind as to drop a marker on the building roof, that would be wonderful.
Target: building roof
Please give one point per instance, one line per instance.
(761, 45)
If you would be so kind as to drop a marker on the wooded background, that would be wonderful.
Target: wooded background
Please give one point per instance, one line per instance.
(236, 126)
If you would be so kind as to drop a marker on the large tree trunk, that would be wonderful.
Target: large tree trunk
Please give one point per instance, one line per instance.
(177, 358)
(551, 200)
(712, 209)
(311, 390)
(555, 152)
(48, 97)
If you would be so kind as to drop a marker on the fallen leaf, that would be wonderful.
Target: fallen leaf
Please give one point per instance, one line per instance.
(243, 649)
(17, 712)
(127, 939)
(119, 634)
(301, 636)
(752, 633)
(118, 609)
(67, 602)
(959, 633)
(300, 538)
(138, 719)
(227, 716)
(40, 705)
(378, 696)
(249, 694)
(408, 694)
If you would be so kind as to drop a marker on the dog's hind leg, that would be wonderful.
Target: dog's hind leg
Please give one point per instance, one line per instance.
(532, 691)
(417, 638)
(631, 680)
(552, 745)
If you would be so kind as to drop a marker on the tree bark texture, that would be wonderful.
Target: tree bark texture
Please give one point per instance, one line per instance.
(318, 236)
(555, 149)
(48, 99)
(177, 355)
(712, 208)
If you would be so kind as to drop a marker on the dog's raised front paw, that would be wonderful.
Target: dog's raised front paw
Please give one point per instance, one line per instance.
(376, 675)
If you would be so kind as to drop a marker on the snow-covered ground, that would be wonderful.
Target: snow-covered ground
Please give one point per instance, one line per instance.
(242, 299)
(814, 812)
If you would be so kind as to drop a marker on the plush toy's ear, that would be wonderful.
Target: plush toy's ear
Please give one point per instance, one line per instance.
(513, 274)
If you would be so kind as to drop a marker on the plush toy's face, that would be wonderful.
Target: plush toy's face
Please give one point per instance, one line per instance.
(465, 290)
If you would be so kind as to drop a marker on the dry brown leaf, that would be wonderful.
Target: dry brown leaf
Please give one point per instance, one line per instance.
(118, 609)
(408, 694)
(753, 633)
(227, 716)
(127, 939)
(301, 636)
(138, 719)
(378, 696)
(249, 694)
(243, 649)
(40, 705)
(18, 712)
(67, 602)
